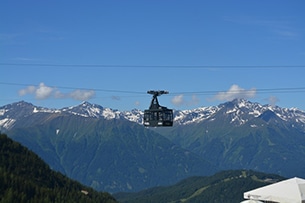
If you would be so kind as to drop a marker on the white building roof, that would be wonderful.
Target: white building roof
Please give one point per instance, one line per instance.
(287, 191)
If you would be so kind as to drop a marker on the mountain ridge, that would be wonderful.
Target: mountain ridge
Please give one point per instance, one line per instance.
(236, 108)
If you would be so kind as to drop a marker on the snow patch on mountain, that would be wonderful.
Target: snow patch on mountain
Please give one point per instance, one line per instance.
(7, 123)
(2, 112)
(44, 110)
(255, 113)
(134, 115)
(238, 119)
(194, 116)
(110, 114)
(85, 109)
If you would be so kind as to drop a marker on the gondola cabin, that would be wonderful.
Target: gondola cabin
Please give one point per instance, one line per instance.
(156, 115)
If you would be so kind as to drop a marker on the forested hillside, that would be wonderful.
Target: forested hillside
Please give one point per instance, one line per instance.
(24, 177)
(226, 186)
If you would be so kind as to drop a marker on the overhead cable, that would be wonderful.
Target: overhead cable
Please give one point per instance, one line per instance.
(151, 66)
(204, 92)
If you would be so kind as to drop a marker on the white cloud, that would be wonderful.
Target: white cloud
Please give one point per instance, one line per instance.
(40, 92)
(27, 90)
(44, 92)
(235, 92)
(180, 100)
(82, 95)
(194, 101)
(273, 100)
(59, 95)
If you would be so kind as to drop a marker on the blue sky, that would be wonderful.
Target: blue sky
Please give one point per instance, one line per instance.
(59, 53)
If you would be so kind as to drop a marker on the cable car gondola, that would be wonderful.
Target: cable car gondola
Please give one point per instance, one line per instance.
(156, 115)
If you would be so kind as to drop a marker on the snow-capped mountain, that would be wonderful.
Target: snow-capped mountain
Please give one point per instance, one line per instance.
(13, 113)
(87, 109)
(234, 134)
(239, 111)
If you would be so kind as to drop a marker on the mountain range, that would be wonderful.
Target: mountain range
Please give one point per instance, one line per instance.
(111, 150)
(241, 134)
(100, 147)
